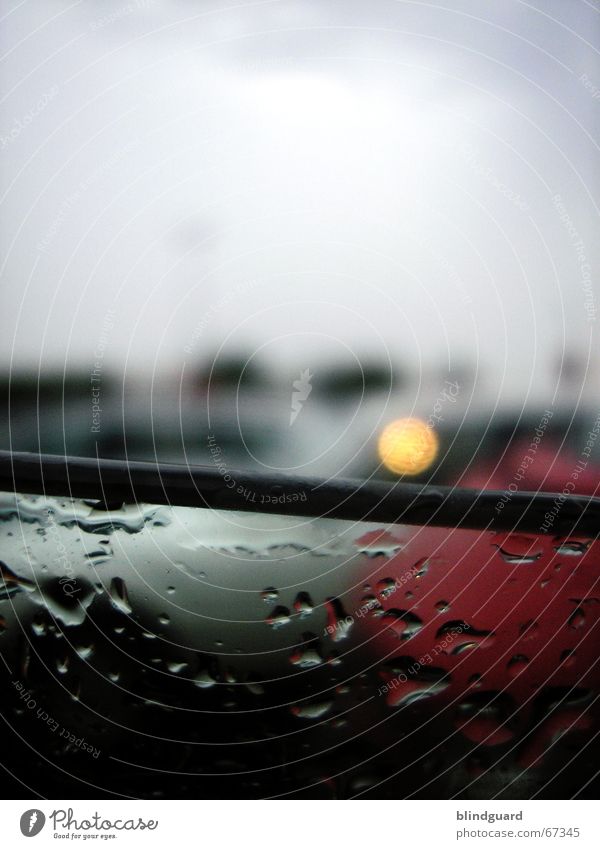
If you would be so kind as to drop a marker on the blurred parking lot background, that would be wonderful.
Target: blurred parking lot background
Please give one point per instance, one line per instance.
(283, 226)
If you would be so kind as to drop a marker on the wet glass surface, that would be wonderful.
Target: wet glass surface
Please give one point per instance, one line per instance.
(181, 652)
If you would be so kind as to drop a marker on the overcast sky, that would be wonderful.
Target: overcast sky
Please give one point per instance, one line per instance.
(299, 180)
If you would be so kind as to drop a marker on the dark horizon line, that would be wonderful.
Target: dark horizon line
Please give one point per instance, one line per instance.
(116, 482)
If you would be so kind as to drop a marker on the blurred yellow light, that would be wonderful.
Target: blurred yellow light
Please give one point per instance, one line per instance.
(408, 446)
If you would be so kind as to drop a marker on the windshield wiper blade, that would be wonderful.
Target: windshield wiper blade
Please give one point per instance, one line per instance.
(116, 482)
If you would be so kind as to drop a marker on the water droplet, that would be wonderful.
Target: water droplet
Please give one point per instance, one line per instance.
(370, 604)
(100, 555)
(517, 664)
(378, 544)
(517, 548)
(572, 547)
(130, 518)
(568, 657)
(204, 680)
(39, 625)
(10, 583)
(403, 623)
(75, 690)
(62, 665)
(270, 594)
(85, 651)
(279, 617)
(577, 619)
(339, 624)
(421, 568)
(411, 682)
(463, 647)
(176, 667)
(66, 599)
(386, 587)
(303, 605)
(308, 654)
(442, 606)
(312, 711)
(305, 659)
(164, 619)
(457, 630)
(119, 595)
